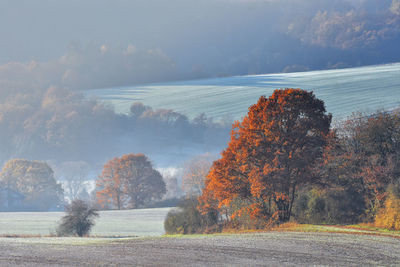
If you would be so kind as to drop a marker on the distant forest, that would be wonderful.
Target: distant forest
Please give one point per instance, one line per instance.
(60, 125)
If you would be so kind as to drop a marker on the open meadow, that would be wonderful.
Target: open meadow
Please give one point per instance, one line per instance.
(122, 223)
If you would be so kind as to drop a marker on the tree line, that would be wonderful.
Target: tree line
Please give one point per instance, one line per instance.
(57, 124)
(126, 182)
(285, 162)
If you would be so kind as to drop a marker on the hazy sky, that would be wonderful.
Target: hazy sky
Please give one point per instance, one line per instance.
(43, 29)
(203, 37)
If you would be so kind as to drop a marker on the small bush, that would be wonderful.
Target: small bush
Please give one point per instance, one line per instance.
(78, 221)
(187, 219)
(331, 206)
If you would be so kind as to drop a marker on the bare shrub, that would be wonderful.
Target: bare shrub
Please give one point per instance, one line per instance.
(79, 219)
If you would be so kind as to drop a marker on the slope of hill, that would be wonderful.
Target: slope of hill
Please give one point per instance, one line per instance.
(343, 90)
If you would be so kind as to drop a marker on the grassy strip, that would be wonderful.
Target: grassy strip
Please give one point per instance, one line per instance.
(359, 229)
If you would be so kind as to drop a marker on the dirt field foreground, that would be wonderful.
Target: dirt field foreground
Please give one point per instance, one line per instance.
(273, 248)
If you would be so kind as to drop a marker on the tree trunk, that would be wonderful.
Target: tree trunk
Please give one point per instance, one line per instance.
(118, 202)
(283, 210)
(292, 200)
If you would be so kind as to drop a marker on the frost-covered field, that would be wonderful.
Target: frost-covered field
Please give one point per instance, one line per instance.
(344, 91)
(259, 249)
(141, 222)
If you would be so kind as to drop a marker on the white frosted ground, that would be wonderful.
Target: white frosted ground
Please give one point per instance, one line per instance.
(140, 222)
(344, 91)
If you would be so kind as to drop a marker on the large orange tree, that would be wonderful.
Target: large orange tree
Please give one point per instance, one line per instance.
(129, 182)
(271, 152)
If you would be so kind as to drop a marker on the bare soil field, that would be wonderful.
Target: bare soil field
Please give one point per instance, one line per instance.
(271, 248)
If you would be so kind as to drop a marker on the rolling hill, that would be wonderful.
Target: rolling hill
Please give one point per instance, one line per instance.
(344, 91)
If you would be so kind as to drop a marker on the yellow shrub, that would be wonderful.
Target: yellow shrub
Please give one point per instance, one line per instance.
(389, 216)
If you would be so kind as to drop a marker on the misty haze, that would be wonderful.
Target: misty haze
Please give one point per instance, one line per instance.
(158, 117)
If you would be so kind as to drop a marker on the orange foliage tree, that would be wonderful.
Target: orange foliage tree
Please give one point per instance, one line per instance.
(271, 152)
(128, 182)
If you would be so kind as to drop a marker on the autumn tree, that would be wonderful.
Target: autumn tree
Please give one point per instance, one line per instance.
(271, 153)
(339, 195)
(129, 182)
(372, 147)
(35, 180)
(389, 215)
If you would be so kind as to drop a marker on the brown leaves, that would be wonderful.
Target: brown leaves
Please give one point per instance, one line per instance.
(128, 182)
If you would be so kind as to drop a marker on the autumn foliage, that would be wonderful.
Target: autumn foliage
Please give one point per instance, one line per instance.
(284, 162)
(128, 182)
(271, 153)
(389, 215)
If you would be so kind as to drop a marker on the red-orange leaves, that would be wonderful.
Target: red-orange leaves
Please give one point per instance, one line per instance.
(271, 152)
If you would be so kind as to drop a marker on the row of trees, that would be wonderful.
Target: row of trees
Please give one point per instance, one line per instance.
(126, 182)
(62, 125)
(285, 162)
(129, 181)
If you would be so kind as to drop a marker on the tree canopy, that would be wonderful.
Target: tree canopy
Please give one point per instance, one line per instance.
(271, 152)
(35, 180)
(129, 182)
